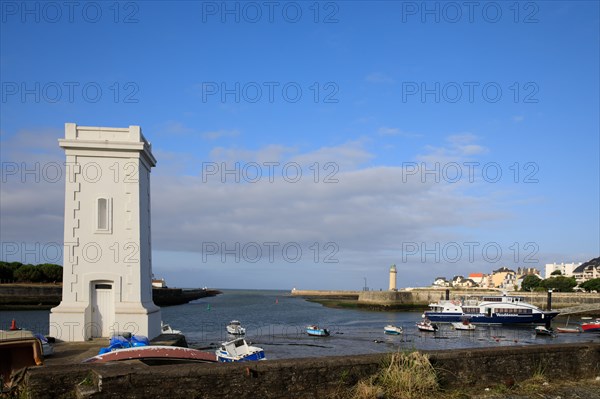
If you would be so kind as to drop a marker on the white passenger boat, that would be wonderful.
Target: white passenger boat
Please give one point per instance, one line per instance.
(238, 350)
(235, 328)
(501, 309)
(392, 330)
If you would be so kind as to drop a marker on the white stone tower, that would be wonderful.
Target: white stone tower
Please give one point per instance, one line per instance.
(393, 278)
(107, 276)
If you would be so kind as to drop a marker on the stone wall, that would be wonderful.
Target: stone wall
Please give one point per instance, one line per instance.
(307, 378)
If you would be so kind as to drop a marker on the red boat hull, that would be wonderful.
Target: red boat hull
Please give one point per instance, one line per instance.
(591, 327)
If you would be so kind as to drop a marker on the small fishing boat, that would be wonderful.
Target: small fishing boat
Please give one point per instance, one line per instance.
(166, 329)
(592, 326)
(392, 330)
(315, 331)
(155, 354)
(238, 350)
(575, 330)
(541, 330)
(235, 328)
(464, 325)
(426, 325)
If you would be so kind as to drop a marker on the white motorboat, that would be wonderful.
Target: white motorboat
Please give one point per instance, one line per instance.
(235, 328)
(426, 325)
(392, 330)
(464, 325)
(238, 350)
(166, 329)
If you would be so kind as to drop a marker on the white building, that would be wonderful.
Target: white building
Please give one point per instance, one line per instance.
(107, 270)
(566, 269)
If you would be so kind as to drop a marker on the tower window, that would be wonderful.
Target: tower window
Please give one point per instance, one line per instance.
(103, 215)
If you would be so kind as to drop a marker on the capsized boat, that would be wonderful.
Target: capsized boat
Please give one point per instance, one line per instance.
(155, 354)
(392, 330)
(427, 325)
(235, 328)
(316, 331)
(501, 309)
(238, 350)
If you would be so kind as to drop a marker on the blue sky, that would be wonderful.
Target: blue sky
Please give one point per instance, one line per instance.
(369, 94)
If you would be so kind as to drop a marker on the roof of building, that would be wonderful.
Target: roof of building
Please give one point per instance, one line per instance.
(475, 275)
(592, 262)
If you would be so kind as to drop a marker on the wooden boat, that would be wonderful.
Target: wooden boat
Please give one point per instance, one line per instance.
(18, 349)
(392, 330)
(158, 353)
(426, 325)
(315, 331)
(238, 350)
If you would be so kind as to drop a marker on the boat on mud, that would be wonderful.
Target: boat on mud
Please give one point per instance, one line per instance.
(392, 330)
(238, 350)
(316, 331)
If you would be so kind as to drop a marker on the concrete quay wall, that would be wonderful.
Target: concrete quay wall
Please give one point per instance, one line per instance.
(307, 378)
(330, 294)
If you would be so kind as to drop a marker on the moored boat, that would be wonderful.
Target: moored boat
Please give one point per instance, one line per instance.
(166, 329)
(568, 329)
(238, 350)
(463, 325)
(593, 326)
(316, 331)
(392, 330)
(502, 309)
(541, 330)
(235, 328)
(427, 325)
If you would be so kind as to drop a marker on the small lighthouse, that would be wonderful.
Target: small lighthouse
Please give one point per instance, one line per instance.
(393, 278)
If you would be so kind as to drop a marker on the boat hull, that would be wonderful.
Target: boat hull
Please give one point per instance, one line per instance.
(535, 318)
(256, 356)
(590, 327)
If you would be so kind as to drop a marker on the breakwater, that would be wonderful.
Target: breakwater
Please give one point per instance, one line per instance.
(46, 296)
(307, 378)
(421, 298)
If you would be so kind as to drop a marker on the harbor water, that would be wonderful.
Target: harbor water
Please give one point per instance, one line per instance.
(276, 322)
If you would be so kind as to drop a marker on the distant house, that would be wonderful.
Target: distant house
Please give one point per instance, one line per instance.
(587, 271)
(503, 278)
(477, 278)
(457, 281)
(441, 282)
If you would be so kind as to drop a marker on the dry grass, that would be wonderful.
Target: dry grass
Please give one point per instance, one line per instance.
(404, 376)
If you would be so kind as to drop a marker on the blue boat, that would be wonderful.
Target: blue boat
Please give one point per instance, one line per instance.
(315, 331)
(238, 350)
(126, 340)
(501, 309)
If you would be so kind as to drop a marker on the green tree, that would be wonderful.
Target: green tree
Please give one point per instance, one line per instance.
(556, 273)
(530, 282)
(29, 274)
(591, 285)
(51, 272)
(559, 283)
(6, 272)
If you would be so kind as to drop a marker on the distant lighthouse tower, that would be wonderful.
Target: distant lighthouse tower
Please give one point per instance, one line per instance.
(107, 274)
(393, 278)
